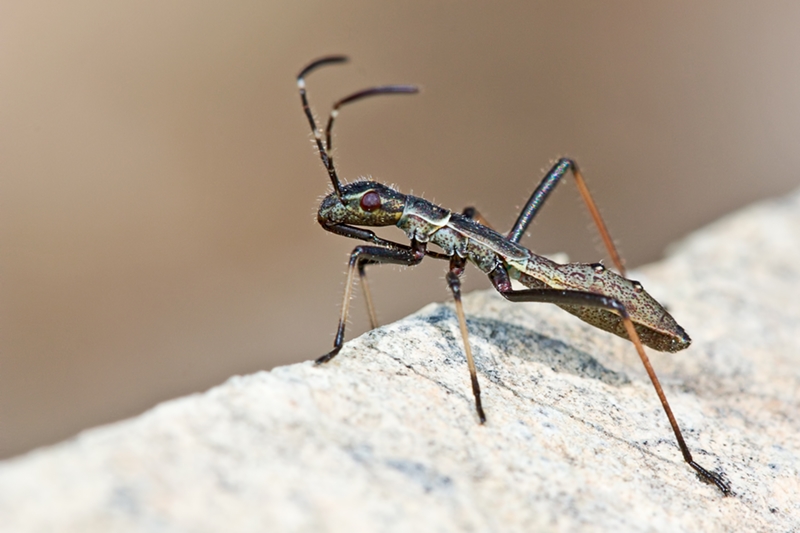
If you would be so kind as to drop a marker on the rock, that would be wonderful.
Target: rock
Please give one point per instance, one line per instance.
(385, 437)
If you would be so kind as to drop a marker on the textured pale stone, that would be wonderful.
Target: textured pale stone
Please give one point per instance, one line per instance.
(385, 437)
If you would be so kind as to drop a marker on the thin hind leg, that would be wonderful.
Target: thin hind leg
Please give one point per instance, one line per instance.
(502, 283)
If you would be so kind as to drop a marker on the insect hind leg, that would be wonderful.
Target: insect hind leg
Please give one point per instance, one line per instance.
(502, 283)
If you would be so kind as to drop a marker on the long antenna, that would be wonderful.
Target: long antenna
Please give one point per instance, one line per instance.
(325, 147)
(301, 85)
(386, 89)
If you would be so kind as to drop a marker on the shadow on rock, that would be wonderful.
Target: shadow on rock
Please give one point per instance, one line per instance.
(526, 344)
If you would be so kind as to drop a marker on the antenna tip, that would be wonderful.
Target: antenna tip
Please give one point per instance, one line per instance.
(326, 60)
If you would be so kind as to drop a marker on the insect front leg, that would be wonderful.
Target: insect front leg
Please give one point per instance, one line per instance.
(364, 255)
(454, 282)
(502, 283)
(362, 275)
(361, 234)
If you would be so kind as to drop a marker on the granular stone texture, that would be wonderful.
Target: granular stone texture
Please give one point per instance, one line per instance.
(385, 437)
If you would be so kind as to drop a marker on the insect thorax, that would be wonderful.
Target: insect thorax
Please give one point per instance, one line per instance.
(427, 222)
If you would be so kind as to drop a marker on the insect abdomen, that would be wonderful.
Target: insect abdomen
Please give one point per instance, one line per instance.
(655, 326)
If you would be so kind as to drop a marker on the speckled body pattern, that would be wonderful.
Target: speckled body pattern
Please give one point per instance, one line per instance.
(487, 249)
(603, 299)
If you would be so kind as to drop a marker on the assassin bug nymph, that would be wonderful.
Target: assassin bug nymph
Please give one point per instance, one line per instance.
(594, 294)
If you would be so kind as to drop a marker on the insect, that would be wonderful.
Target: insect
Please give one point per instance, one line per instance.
(591, 292)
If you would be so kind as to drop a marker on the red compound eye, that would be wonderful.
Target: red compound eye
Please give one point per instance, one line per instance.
(370, 201)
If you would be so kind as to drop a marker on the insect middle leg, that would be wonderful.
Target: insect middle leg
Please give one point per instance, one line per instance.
(364, 255)
(454, 282)
(502, 283)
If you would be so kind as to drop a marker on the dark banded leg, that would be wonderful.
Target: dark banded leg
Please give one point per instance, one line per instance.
(361, 234)
(454, 282)
(362, 274)
(365, 255)
(537, 199)
(501, 282)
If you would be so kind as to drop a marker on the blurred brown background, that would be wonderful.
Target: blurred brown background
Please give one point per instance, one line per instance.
(158, 185)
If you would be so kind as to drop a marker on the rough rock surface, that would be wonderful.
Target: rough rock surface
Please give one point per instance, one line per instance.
(385, 438)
